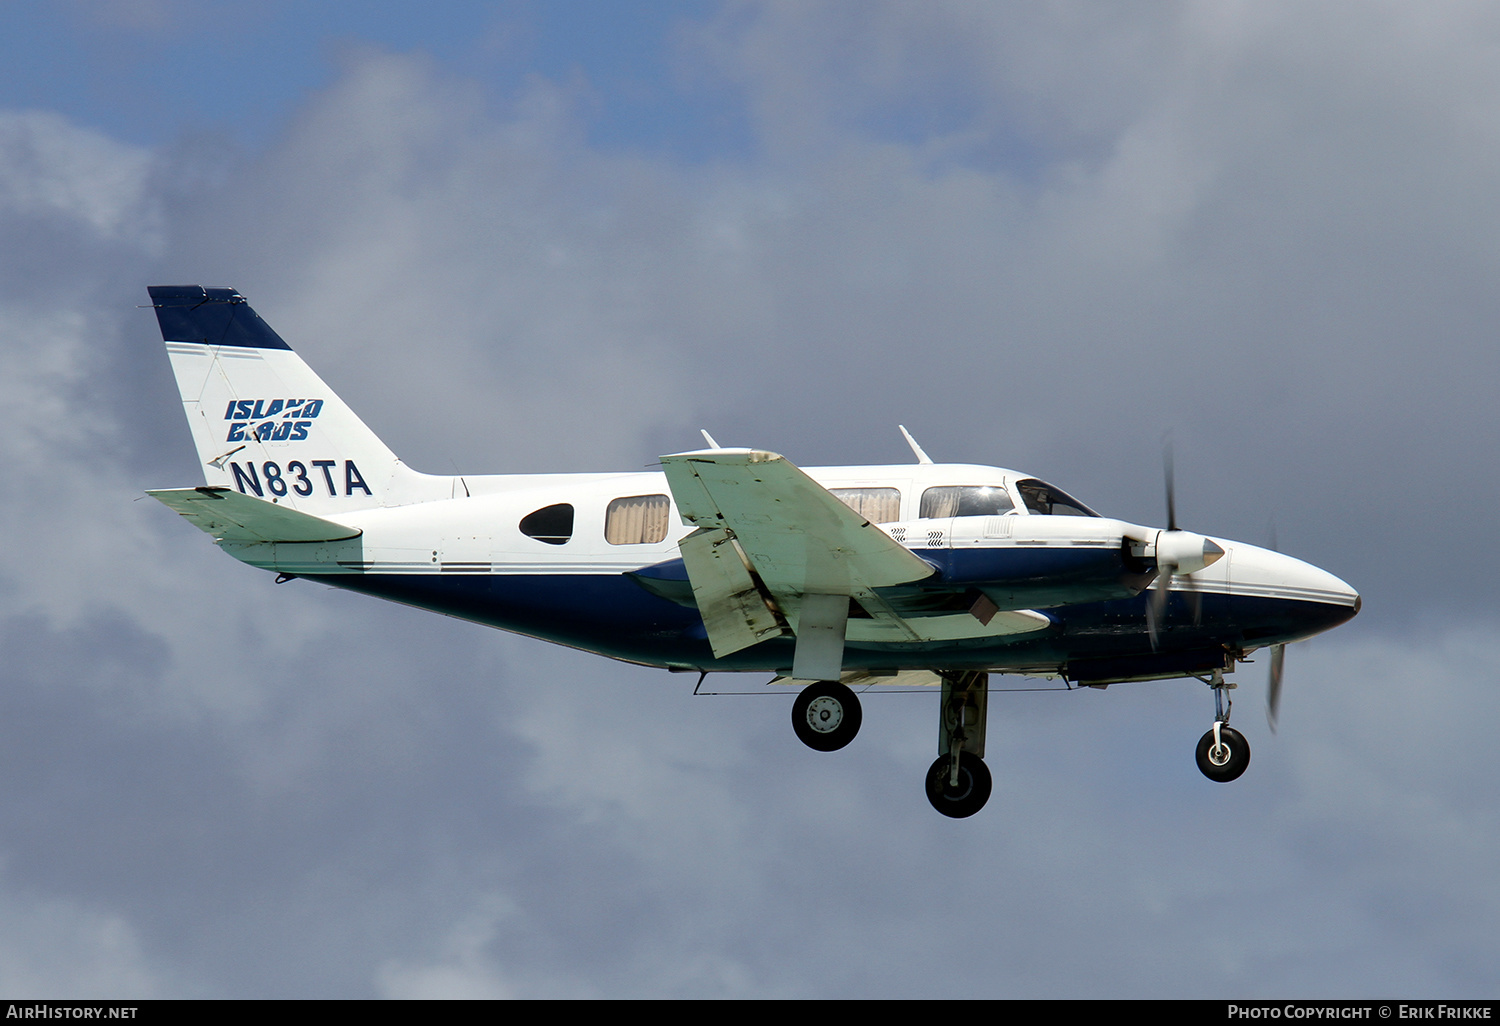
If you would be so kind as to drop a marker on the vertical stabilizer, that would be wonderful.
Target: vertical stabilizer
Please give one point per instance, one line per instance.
(264, 424)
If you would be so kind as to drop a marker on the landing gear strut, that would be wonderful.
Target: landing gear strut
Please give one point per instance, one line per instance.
(1223, 753)
(959, 783)
(826, 716)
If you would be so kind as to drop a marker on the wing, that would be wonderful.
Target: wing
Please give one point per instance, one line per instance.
(769, 537)
(799, 537)
(230, 516)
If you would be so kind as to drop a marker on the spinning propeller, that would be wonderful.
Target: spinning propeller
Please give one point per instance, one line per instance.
(1273, 691)
(1178, 554)
(1278, 660)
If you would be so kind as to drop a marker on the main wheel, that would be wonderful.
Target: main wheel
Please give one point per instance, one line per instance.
(826, 716)
(973, 788)
(1226, 761)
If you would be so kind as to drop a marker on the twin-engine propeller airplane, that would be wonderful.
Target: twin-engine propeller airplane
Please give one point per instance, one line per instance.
(734, 559)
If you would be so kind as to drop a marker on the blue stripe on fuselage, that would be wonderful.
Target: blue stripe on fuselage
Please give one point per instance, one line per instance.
(984, 565)
(611, 615)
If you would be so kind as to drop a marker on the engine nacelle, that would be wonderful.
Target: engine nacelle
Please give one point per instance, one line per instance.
(1185, 552)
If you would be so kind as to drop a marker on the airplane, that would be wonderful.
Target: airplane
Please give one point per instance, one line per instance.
(733, 559)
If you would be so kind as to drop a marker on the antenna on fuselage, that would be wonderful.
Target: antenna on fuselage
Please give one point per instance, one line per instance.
(709, 439)
(922, 457)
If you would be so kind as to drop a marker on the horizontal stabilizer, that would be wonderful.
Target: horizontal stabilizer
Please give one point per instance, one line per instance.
(230, 516)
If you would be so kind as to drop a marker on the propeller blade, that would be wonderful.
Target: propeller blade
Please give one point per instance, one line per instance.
(1156, 608)
(1273, 692)
(1168, 475)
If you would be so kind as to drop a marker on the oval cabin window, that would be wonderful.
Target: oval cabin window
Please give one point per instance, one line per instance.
(550, 524)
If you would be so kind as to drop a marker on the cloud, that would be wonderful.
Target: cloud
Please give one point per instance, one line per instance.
(52, 168)
(57, 948)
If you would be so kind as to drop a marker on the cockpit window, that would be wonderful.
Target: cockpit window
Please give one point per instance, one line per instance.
(1042, 498)
(965, 501)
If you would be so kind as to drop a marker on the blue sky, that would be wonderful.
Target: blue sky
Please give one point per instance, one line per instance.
(149, 72)
(563, 237)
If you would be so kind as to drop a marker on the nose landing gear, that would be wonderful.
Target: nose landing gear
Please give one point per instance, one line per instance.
(1223, 753)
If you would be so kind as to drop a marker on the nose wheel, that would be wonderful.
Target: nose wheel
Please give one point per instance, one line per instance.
(826, 716)
(1223, 753)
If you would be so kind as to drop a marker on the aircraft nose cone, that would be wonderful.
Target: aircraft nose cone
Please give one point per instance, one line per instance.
(1343, 614)
(1312, 599)
(1332, 601)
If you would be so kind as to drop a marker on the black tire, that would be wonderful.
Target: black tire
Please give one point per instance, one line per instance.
(973, 788)
(826, 716)
(1226, 765)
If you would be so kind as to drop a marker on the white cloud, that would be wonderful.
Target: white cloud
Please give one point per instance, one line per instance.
(51, 167)
(55, 948)
(463, 973)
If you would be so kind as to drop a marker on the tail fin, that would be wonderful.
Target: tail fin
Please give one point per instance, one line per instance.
(263, 422)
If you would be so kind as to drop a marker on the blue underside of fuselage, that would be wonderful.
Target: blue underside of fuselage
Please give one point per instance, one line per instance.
(612, 615)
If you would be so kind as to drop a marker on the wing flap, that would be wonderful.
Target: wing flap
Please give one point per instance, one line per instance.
(798, 536)
(736, 614)
(230, 516)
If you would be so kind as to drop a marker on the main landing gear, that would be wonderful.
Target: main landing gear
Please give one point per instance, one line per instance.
(826, 716)
(958, 783)
(1223, 753)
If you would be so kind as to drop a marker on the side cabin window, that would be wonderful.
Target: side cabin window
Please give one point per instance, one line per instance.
(550, 524)
(1042, 498)
(965, 501)
(877, 505)
(637, 520)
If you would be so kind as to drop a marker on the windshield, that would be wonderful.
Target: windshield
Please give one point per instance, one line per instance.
(1042, 498)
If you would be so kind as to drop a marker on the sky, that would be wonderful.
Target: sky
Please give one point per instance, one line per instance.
(531, 236)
